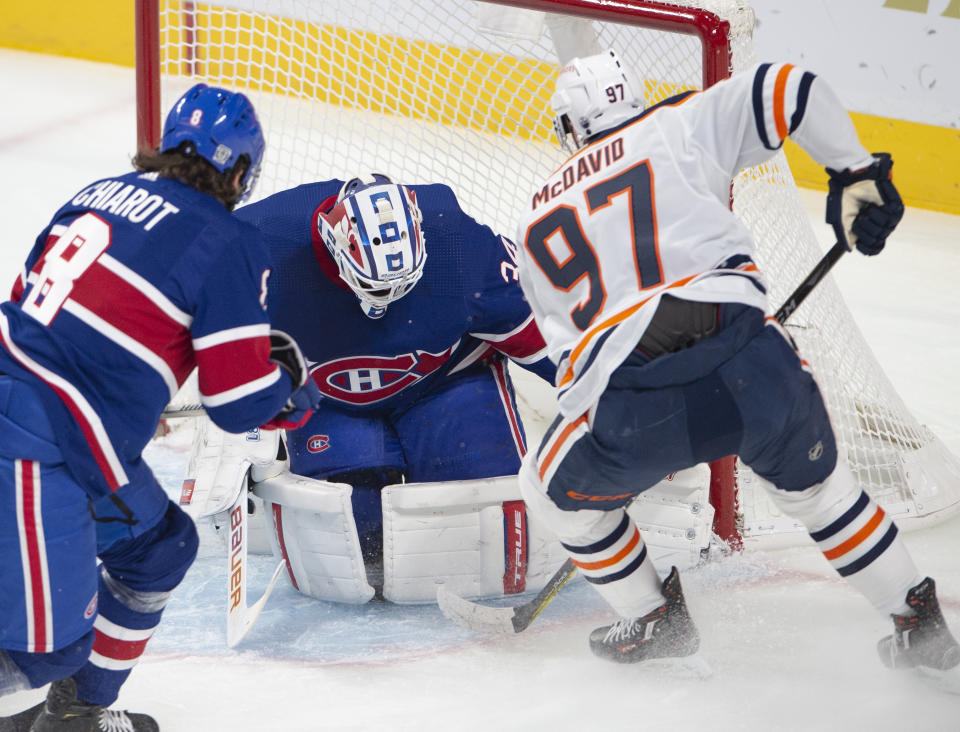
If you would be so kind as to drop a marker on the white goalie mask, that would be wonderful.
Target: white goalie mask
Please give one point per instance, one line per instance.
(374, 235)
(593, 94)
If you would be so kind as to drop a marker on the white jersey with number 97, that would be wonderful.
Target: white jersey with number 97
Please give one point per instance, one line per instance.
(645, 209)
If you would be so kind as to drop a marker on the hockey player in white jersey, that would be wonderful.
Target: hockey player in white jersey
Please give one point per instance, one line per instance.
(642, 282)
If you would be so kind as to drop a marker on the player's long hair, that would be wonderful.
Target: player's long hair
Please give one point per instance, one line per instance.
(194, 171)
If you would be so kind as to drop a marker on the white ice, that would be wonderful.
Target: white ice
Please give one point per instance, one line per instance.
(791, 646)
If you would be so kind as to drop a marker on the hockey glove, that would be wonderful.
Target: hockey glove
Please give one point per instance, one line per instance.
(306, 394)
(863, 206)
(298, 409)
(286, 353)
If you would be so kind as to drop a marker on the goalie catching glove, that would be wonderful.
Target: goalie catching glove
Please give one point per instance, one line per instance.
(306, 395)
(863, 206)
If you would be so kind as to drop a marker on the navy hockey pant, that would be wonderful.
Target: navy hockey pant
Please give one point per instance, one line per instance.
(759, 402)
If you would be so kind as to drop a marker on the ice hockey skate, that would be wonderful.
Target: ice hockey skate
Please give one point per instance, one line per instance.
(21, 721)
(922, 641)
(666, 633)
(63, 712)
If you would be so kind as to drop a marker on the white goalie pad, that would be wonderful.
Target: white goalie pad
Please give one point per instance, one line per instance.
(676, 518)
(474, 536)
(312, 528)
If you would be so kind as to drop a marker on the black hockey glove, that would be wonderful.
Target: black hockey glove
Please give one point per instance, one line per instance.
(285, 352)
(863, 206)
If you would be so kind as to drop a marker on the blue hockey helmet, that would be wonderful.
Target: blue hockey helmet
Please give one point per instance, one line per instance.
(373, 233)
(219, 126)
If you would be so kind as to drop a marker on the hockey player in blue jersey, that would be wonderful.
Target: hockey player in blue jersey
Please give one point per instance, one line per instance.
(135, 281)
(407, 309)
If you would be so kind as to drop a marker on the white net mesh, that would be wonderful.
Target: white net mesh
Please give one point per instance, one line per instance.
(427, 91)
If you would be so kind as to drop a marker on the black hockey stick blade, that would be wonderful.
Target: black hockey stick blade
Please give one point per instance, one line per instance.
(813, 279)
(501, 620)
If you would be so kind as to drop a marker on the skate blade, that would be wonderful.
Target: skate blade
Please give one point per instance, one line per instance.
(693, 667)
(945, 681)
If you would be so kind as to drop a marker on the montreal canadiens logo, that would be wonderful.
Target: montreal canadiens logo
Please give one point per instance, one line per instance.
(364, 380)
(318, 443)
(91, 607)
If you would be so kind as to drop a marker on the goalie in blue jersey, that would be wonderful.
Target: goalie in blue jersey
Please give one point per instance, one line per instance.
(407, 310)
(134, 282)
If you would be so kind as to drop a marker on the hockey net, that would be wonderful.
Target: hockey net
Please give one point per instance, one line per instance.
(456, 91)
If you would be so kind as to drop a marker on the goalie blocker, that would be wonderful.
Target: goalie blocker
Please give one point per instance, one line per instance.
(474, 536)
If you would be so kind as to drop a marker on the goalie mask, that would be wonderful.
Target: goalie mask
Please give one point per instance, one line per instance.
(373, 234)
(593, 94)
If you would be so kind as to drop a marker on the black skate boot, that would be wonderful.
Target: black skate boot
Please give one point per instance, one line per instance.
(922, 641)
(63, 712)
(21, 721)
(666, 632)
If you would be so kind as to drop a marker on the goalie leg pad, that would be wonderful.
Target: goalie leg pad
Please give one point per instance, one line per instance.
(312, 527)
(475, 536)
(674, 516)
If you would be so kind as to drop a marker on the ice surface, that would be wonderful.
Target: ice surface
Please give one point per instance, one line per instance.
(790, 645)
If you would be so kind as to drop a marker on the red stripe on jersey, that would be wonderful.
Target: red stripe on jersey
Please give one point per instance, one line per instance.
(233, 363)
(90, 435)
(99, 455)
(525, 342)
(29, 490)
(116, 648)
(499, 369)
(101, 290)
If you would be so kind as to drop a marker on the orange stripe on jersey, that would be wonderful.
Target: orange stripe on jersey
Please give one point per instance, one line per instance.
(604, 563)
(779, 117)
(552, 452)
(609, 323)
(858, 538)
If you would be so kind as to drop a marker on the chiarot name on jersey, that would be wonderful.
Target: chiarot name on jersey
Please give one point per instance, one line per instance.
(591, 161)
(127, 201)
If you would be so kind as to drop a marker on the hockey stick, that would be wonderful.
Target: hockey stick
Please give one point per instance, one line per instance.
(240, 617)
(819, 271)
(507, 620)
(502, 620)
(184, 410)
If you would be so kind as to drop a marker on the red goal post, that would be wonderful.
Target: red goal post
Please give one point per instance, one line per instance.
(458, 92)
